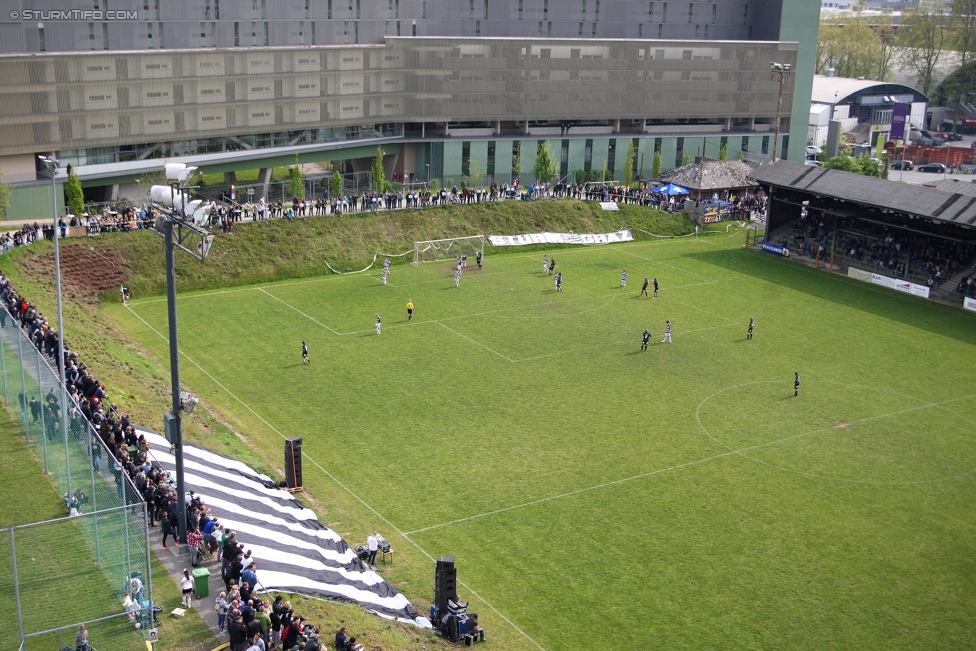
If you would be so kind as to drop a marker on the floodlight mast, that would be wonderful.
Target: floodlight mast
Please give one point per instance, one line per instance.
(176, 227)
(782, 70)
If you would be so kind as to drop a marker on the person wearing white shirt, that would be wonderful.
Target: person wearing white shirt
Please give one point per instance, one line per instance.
(373, 544)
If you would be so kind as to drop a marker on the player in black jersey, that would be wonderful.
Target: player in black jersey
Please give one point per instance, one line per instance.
(647, 338)
(796, 384)
(655, 288)
(752, 324)
(644, 289)
(305, 359)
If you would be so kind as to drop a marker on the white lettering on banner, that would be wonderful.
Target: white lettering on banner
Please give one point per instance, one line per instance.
(588, 239)
(609, 205)
(969, 304)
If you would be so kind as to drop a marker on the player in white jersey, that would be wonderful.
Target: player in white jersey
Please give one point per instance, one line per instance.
(457, 278)
(386, 272)
(377, 324)
(623, 279)
(667, 332)
(545, 263)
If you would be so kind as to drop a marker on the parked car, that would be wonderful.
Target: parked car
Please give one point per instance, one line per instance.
(930, 142)
(953, 137)
(937, 168)
(812, 151)
(903, 165)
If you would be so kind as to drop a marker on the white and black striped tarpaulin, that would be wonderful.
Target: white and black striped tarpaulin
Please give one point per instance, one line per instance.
(293, 550)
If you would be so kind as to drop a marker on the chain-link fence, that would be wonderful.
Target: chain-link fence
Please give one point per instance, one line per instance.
(89, 567)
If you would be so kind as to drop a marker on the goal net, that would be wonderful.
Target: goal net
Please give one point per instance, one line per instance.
(448, 249)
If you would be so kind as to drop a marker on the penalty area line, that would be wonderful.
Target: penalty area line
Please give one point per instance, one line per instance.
(343, 486)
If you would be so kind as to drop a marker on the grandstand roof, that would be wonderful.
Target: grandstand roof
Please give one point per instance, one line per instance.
(835, 90)
(913, 200)
(967, 188)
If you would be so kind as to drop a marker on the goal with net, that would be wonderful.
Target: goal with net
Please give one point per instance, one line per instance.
(448, 249)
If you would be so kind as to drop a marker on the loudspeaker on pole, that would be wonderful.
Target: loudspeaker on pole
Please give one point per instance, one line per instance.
(293, 462)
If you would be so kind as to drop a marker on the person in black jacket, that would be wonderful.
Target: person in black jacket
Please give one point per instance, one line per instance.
(237, 633)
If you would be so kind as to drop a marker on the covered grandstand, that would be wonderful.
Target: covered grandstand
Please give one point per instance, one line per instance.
(916, 234)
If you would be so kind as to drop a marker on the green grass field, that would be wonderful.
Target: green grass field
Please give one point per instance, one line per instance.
(600, 497)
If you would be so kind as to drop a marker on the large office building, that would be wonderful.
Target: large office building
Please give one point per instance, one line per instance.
(443, 86)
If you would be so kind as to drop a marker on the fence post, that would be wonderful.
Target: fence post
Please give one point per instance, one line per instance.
(3, 367)
(23, 389)
(40, 389)
(94, 500)
(148, 581)
(128, 558)
(13, 555)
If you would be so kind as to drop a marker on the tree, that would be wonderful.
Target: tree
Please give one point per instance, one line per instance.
(685, 159)
(545, 169)
(922, 37)
(856, 45)
(863, 165)
(4, 198)
(335, 184)
(296, 182)
(517, 159)
(742, 155)
(723, 152)
(74, 196)
(629, 163)
(962, 29)
(379, 174)
(474, 175)
(656, 165)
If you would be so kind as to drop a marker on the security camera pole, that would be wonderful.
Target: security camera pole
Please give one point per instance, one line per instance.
(783, 70)
(176, 226)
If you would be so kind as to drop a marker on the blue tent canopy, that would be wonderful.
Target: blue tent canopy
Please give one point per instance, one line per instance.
(671, 189)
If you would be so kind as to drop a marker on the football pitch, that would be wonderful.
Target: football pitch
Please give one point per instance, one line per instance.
(598, 496)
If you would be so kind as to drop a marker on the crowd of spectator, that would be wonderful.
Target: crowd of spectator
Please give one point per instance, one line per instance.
(931, 259)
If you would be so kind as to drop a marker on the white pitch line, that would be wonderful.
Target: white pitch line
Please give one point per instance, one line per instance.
(731, 451)
(380, 279)
(690, 273)
(733, 321)
(474, 342)
(297, 310)
(345, 488)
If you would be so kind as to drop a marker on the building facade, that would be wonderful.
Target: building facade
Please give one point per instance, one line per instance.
(441, 83)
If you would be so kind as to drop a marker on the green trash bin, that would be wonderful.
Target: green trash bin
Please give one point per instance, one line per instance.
(201, 581)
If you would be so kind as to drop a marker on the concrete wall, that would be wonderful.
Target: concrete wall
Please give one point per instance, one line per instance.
(33, 202)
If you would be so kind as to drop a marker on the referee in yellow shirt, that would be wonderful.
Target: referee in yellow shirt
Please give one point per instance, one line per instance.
(409, 310)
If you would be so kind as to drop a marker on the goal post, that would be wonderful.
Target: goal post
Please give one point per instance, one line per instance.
(450, 248)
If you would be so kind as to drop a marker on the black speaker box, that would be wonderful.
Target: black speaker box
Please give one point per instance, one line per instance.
(445, 582)
(293, 462)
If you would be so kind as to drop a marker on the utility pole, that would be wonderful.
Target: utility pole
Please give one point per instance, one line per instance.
(780, 71)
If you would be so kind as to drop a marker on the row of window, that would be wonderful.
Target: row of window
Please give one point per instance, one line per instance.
(211, 9)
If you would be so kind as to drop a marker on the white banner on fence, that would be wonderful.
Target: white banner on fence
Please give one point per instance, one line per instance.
(969, 304)
(892, 283)
(560, 238)
(609, 205)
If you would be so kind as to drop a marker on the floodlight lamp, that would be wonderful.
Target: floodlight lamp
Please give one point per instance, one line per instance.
(188, 401)
(186, 174)
(51, 164)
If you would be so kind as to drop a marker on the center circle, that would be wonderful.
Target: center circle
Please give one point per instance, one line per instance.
(841, 432)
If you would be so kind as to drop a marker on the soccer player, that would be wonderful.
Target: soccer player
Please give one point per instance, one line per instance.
(478, 258)
(409, 310)
(457, 277)
(305, 359)
(559, 281)
(796, 384)
(552, 264)
(125, 294)
(386, 264)
(655, 288)
(623, 279)
(647, 338)
(752, 324)
(667, 332)
(644, 289)
(386, 272)
(377, 324)
(545, 263)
